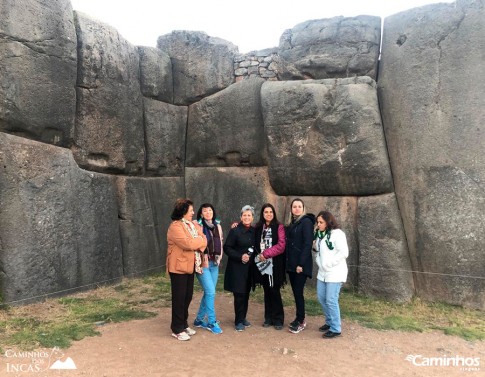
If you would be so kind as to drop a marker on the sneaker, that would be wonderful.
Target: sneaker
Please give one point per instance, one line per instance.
(330, 334)
(267, 323)
(181, 336)
(296, 329)
(294, 323)
(190, 331)
(201, 324)
(246, 323)
(324, 328)
(278, 326)
(240, 327)
(214, 328)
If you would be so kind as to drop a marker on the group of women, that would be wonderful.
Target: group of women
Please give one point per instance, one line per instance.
(259, 255)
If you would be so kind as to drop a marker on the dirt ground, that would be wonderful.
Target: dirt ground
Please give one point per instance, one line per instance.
(145, 348)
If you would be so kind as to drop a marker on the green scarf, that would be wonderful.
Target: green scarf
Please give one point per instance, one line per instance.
(324, 234)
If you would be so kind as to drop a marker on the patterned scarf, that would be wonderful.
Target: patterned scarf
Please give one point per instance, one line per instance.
(193, 232)
(214, 244)
(325, 234)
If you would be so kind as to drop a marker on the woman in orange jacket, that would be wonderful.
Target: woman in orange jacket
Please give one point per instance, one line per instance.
(185, 242)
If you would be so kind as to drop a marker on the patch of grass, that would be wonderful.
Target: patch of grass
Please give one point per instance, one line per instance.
(58, 322)
(415, 316)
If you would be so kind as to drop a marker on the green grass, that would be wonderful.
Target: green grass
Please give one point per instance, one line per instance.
(58, 322)
(415, 316)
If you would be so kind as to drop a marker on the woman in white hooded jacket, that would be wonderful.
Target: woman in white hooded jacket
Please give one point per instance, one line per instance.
(330, 251)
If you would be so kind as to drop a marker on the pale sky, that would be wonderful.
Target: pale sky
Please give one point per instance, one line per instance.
(250, 25)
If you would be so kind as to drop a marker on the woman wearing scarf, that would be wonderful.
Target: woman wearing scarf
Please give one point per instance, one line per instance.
(185, 242)
(206, 218)
(270, 263)
(239, 248)
(331, 252)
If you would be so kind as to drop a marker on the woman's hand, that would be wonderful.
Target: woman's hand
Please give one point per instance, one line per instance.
(234, 225)
(261, 257)
(299, 269)
(245, 258)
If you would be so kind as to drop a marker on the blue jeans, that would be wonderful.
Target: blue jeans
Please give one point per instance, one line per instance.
(328, 294)
(208, 282)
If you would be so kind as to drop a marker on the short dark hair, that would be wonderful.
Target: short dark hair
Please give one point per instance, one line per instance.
(329, 219)
(181, 208)
(262, 221)
(206, 205)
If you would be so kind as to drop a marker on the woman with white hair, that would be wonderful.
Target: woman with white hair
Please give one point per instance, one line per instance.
(239, 248)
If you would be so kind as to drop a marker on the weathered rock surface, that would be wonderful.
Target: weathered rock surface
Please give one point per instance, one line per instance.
(202, 65)
(145, 205)
(385, 265)
(229, 189)
(109, 119)
(59, 226)
(432, 106)
(226, 129)
(38, 65)
(325, 137)
(165, 129)
(156, 78)
(330, 48)
(345, 211)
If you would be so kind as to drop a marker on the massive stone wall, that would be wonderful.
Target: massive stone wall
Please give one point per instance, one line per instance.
(90, 181)
(432, 98)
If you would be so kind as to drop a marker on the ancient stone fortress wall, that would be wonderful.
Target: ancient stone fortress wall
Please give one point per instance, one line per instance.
(99, 137)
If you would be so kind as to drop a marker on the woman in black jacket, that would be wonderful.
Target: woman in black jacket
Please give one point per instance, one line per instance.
(239, 248)
(299, 264)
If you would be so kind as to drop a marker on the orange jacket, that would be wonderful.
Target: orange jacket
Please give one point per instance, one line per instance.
(182, 247)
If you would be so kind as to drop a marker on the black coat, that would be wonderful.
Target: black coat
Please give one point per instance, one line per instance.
(279, 272)
(299, 240)
(237, 278)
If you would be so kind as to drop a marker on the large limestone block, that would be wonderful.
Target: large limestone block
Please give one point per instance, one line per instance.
(109, 123)
(38, 63)
(226, 129)
(156, 78)
(229, 189)
(145, 206)
(202, 65)
(432, 96)
(165, 130)
(385, 265)
(325, 137)
(329, 48)
(345, 211)
(58, 224)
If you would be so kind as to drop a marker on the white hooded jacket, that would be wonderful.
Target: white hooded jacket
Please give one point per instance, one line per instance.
(332, 267)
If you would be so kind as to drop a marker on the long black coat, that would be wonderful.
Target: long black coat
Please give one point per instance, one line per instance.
(299, 240)
(237, 278)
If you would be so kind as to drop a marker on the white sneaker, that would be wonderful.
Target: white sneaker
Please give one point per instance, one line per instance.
(181, 336)
(190, 331)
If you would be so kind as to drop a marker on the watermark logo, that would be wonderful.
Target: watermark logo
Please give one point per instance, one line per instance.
(37, 361)
(464, 363)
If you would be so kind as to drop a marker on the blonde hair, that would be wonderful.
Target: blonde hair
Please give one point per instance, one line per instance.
(290, 216)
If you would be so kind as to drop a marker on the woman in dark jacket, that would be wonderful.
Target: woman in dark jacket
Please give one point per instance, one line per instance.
(270, 267)
(299, 240)
(239, 248)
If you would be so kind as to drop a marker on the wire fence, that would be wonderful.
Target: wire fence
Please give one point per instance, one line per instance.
(158, 268)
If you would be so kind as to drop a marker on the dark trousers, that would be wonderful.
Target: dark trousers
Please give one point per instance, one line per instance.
(240, 306)
(273, 305)
(297, 282)
(182, 291)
